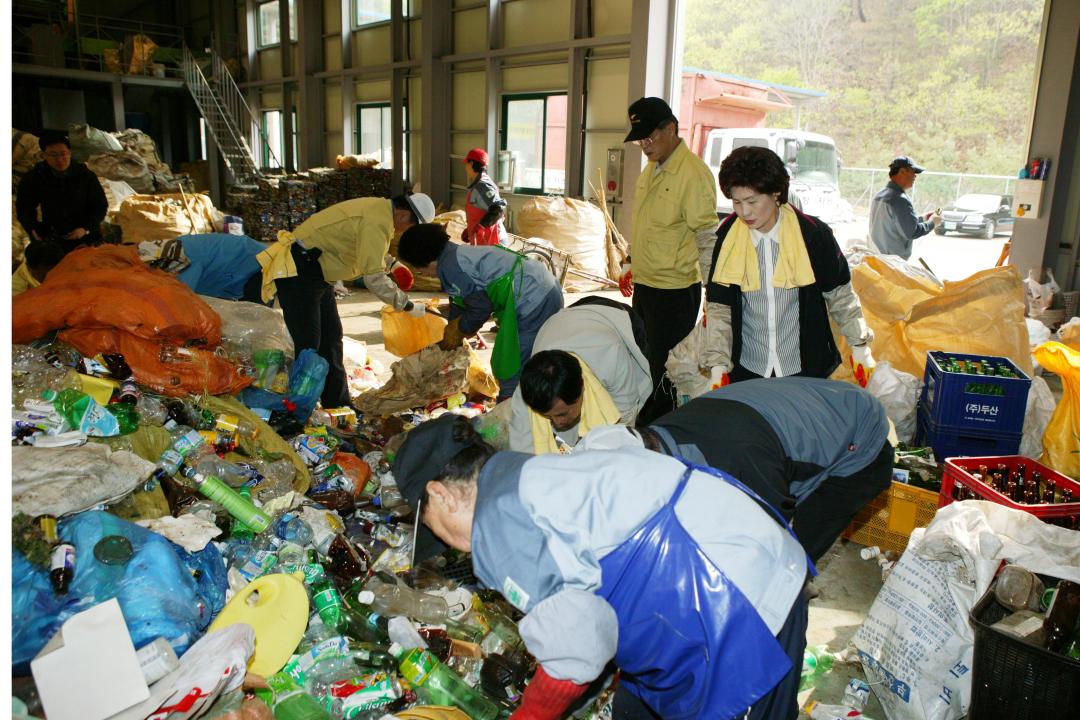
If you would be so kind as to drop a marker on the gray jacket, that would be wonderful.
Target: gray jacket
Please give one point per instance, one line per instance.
(604, 340)
(543, 524)
(893, 222)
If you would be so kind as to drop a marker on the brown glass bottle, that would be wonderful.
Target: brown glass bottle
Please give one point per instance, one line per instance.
(1062, 615)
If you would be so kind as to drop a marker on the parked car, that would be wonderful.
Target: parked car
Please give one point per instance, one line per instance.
(977, 214)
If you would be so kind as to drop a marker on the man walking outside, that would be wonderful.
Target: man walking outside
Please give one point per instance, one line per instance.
(674, 231)
(893, 222)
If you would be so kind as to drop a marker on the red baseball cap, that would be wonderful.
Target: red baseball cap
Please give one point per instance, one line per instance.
(479, 155)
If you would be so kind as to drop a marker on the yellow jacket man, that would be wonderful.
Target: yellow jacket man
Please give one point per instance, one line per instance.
(672, 239)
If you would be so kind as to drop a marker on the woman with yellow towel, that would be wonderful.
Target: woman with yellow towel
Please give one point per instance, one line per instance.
(777, 277)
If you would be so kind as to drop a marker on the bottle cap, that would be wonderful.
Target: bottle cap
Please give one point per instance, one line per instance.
(365, 597)
(113, 550)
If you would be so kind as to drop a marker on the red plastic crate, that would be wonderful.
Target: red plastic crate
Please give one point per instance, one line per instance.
(959, 471)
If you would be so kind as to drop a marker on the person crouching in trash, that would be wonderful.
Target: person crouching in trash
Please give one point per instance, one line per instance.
(675, 572)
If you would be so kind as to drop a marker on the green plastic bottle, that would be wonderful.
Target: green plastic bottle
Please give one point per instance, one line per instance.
(442, 685)
(327, 601)
(83, 413)
(363, 621)
(240, 508)
(291, 702)
(816, 662)
(126, 416)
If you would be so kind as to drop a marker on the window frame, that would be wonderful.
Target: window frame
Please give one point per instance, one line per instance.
(504, 134)
(260, 44)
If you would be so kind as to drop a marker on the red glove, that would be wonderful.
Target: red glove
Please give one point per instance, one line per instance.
(547, 698)
(402, 277)
(626, 281)
(718, 378)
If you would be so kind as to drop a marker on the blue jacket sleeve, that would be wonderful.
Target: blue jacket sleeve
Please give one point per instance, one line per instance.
(904, 212)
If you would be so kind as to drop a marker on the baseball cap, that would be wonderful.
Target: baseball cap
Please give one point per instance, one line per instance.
(479, 155)
(420, 459)
(903, 161)
(422, 206)
(646, 114)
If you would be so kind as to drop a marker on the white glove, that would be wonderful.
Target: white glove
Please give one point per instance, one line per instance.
(417, 310)
(861, 355)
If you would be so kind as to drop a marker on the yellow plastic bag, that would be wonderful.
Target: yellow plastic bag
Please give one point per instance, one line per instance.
(1061, 441)
(912, 315)
(404, 334)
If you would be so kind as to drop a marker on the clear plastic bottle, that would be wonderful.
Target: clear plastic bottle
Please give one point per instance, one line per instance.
(399, 599)
(293, 528)
(233, 475)
(151, 411)
(183, 442)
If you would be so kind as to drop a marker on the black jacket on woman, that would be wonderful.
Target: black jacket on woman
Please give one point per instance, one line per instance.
(817, 348)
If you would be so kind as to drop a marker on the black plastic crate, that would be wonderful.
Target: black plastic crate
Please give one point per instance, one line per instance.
(1015, 680)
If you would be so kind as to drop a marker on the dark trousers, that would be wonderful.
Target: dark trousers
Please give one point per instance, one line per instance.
(821, 518)
(311, 315)
(669, 316)
(781, 703)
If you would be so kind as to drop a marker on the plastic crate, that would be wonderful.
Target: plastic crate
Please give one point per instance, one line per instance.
(888, 519)
(950, 441)
(953, 400)
(1015, 680)
(959, 471)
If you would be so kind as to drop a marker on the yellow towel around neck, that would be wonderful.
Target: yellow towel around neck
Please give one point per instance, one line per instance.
(277, 263)
(737, 263)
(597, 408)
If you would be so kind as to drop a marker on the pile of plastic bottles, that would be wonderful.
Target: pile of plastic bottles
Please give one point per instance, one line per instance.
(373, 633)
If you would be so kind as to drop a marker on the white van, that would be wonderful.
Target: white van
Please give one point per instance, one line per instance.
(812, 161)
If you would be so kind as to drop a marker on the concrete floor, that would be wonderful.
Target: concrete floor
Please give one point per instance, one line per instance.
(847, 584)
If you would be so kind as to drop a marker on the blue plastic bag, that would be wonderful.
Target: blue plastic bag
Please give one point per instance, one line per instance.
(163, 590)
(307, 377)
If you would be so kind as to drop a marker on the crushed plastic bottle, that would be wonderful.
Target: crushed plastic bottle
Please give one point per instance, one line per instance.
(397, 598)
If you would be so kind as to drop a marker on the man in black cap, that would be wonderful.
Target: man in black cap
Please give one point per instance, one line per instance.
(893, 222)
(70, 197)
(671, 242)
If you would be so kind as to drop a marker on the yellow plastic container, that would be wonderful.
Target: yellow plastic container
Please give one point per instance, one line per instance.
(276, 607)
(404, 334)
(888, 520)
(101, 389)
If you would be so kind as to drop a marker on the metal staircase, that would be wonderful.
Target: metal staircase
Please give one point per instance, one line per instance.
(227, 116)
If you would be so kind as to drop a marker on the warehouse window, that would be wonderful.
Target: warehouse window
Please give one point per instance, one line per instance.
(268, 21)
(534, 131)
(374, 132)
(274, 141)
(373, 12)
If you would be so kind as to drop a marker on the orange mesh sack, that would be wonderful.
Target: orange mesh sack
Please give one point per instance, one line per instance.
(163, 367)
(109, 287)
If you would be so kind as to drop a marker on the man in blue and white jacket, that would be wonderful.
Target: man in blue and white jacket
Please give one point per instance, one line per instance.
(674, 572)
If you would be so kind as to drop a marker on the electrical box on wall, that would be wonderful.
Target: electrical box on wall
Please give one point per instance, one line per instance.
(1028, 198)
(613, 175)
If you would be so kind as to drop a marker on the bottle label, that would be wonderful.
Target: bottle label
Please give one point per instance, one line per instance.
(228, 423)
(299, 665)
(327, 599)
(259, 564)
(373, 696)
(63, 558)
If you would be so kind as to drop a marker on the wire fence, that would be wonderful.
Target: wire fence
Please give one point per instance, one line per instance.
(931, 190)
